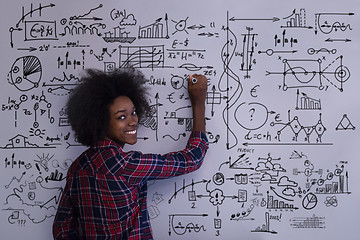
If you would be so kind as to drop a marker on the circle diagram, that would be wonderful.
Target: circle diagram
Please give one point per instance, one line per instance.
(309, 201)
(25, 73)
(251, 116)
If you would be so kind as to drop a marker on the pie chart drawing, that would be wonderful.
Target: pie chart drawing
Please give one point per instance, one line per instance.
(25, 73)
(309, 201)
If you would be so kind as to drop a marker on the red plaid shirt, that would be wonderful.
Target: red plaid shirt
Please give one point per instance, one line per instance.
(105, 191)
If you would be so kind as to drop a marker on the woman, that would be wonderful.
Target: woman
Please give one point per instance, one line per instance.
(105, 192)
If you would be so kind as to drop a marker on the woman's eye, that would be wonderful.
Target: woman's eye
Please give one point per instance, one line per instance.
(121, 117)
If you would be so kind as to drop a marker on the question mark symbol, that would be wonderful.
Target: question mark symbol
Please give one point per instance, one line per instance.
(252, 111)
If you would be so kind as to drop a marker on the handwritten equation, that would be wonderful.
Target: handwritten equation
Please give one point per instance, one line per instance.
(281, 102)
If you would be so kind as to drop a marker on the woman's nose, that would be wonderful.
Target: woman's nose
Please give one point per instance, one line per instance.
(134, 120)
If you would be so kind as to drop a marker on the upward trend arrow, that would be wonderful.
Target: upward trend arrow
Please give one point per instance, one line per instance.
(34, 10)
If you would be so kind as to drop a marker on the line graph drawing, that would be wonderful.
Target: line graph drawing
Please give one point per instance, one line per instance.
(76, 26)
(142, 56)
(104, 52)
(184, 186)
(32, 10)
(29, 14)
(82, 17)
(62, 86)
(17, 179)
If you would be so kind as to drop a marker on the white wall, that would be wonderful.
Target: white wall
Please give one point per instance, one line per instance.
(276, 168)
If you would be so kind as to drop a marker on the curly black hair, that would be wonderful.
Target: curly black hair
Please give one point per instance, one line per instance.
(89, 102)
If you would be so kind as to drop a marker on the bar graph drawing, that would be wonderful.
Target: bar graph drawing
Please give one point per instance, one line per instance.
(266, 226)
(158, 29)
(341, 186)
(118, 35)
(275, 204)
(296, 20)
(304, 102)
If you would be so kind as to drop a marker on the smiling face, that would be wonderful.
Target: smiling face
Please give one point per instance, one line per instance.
(123, 121)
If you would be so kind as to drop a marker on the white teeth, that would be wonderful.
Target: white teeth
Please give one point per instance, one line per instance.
(131, 132)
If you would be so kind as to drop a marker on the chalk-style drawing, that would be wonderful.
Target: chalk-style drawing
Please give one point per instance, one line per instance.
(307, 222)
(296, 20)
(331, 22)
(304, 102)
(247, 55)
(158, 30)
(345, 124)
(61, 86)
(180, 26)
(21, 141)
(284, 40)
(118, 35)
(25, 73)
(265, 228)
(312, 133)
(251, 116)
(142, 56)
(309, 201)
(181, 224)
(274, 180)
(40, 30)
(233, 91)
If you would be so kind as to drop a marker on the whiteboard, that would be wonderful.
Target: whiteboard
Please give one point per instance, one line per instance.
(281, 111)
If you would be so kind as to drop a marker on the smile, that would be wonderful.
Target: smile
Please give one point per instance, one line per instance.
(131, 132)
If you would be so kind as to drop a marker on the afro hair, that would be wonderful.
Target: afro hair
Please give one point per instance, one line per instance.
(88, 104)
